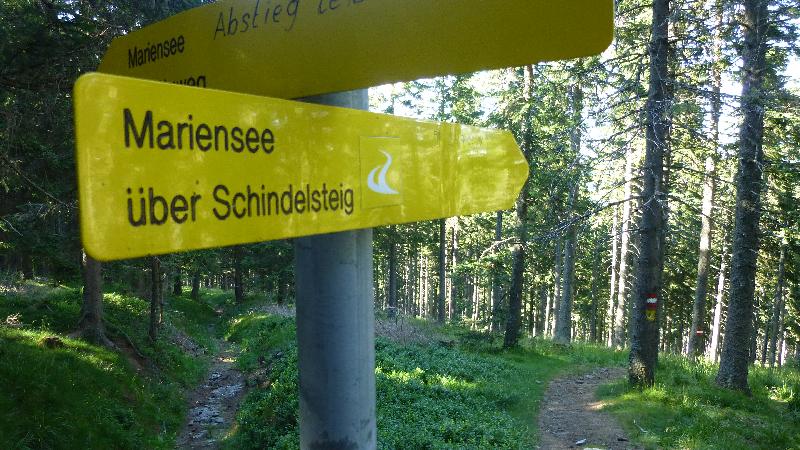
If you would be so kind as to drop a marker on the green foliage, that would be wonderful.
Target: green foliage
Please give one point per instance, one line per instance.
(77, 395)
(685, 409)
(197, 319)
(259, 335)
(468, 395)
(268, 416)
(430, 396)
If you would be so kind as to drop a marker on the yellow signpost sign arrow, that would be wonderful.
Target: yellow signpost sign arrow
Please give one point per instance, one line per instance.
(294, 48)
(165, 168)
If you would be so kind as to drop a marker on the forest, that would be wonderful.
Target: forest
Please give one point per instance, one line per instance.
(653, 253)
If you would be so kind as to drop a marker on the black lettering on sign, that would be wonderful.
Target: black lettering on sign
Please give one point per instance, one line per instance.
(252, 202)
(154, 52)
(199, 81)
(222, 201)
(155, 209)
(235, 20)
(326, 6)
(170, 135)
(130, 127)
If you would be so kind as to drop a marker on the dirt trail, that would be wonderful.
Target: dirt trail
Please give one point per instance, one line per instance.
(213, 405)
(571, 415)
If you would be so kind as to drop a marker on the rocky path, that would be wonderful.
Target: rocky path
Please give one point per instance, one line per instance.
(571, 415)
(213, 405)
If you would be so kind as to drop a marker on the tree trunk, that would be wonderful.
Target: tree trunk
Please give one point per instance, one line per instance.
(517, 279)
(782, 347)
(413, 282)
(753, 340)
(441, 297)
(90, 324)
(518, 253)
(713, 349)
(777, 313)
(475, 300)
(556, 298)
(595, 305)
(532, 310)
(625, 239)
(155, 278)
(765, 345)
(238, 284)
(564, 318)
(392, 295)
(540, 317)
(26, 266)
(734, 359)
(162, 282)
(451, 304)
(563, 331)
(645, 330)
(195, 285)
(424, 305)
(716, 112)
(496, 291)
(697, 331)
(177, 285)
(612, 297)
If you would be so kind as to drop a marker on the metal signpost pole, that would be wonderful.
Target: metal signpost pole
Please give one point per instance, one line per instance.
(335, 329)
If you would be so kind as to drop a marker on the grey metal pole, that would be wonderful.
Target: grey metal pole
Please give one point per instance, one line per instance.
(336, 329)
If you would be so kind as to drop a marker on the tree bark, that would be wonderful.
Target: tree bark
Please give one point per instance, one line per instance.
(612, 297)
(90, 324)
(540, 317)
(734, 359)
(765, 345)
(564, 319)
(595, 305)
(713, 349)
(496, 290)
(716, 112)
(555, 301)
(517, 273)
(754, 339)
(625, 239)
(696, 339)
(441, 295)
(563, 330)
(238, 284)
(777, 313)
(454, 257)
(195, 285)
(155, 278)
(177, 285)
(521, 207)
(645, 331)
(392, 295)
(532, 309)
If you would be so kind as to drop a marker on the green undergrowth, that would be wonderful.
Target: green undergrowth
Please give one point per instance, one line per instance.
(65, 393)
(459, 390)
(685, 409)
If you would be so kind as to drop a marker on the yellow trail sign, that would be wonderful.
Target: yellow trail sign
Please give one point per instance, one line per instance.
(165, 168)
(294, 48)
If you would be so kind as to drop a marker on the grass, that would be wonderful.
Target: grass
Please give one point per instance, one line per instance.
(685, 409)
(77, 395)
(431, 396)
(455, 390)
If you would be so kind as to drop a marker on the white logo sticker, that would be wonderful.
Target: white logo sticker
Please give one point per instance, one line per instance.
(381, 186)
